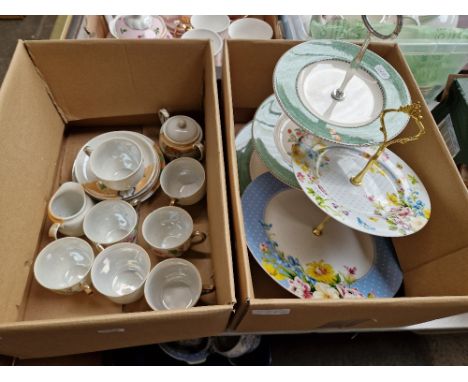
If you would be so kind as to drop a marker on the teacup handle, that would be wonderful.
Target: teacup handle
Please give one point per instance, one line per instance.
(99, 247)
(88, 150)
(198, 234)
(53, 230)
(201, 149)
(163, 115)
(173, 202)
(86, 288)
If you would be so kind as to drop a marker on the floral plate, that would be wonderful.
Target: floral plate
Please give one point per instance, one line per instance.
(390, 202)
(341, 263)
(249, 165)
(273, 136)
(153, 162)
(307, 74)
(119, 29)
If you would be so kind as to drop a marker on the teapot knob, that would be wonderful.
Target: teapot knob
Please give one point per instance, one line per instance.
(182, 124)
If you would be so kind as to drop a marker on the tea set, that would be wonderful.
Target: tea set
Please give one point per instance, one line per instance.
(113, 173)
(323, 137)
(215, 28)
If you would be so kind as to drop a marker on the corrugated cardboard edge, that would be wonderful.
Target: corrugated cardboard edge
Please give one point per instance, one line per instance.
(62, 113)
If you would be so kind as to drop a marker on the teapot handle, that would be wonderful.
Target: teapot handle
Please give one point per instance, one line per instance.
(163, 115)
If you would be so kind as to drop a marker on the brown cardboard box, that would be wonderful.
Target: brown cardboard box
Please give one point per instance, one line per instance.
(434, 261)
(57, 95)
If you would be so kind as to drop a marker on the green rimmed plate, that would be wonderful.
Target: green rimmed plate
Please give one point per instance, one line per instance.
(273, 135)
(249, 165)
(306, 75)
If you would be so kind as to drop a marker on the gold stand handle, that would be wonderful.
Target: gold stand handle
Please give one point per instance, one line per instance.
(414, 111)
(317, 231)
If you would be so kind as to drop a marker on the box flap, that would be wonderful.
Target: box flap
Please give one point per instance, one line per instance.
(31, 132)
(104, 78)
(72, 336)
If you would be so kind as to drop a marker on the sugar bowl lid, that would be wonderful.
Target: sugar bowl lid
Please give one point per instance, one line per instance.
(182, 129)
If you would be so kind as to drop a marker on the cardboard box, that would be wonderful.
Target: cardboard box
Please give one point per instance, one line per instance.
(56, 96)
(434, 261)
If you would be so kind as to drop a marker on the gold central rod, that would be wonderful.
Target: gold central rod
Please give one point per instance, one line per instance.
(317, 231)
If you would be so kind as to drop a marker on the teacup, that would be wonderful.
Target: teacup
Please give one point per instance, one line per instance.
(173, 284)
(111, 222)
(120, 271)
(117, 163)
(180, 136)
(169, 231)
(140, 22)
(215, 23)
(63, 266)
(183, 180)
(67, 209)
(206, 34)
(250, 29)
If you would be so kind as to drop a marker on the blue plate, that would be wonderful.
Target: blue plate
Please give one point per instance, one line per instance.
(342, 263)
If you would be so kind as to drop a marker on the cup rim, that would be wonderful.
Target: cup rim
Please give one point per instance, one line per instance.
(55, 218)
(54, 243)
(152, 214)
(250, 20)
(225, 17)
(157, 268)
(167, 168)
(105, 253)
(92, 159)
(101, 205)
(216, 35)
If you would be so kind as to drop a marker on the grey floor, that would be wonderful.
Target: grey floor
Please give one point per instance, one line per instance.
(312, 349)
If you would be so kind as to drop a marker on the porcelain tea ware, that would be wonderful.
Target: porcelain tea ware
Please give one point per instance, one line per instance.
(153, 161)
(120, 271)
(306, 76)
(117, 163)
(63, 266)
(250, 29)
(173, 284)
(139, 27)
(67, 209)
(249, 165)
(206, 34)
(180, 136)
(340, 263)
(391, 201)
(110, 222)
(169, 231)
(215, 23)
(183, 180)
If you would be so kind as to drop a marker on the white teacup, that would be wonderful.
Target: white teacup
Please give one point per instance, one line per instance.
(67, 209)
(215, 23)
(173, 284)
(110, 222)
(250, 29)
(205, 34)
(63, 266)
(183, 180)
(117, 163)
(120, 271)
(169, 231)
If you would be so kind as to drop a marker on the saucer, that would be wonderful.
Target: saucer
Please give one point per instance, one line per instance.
(249, 165)
(307, 74)
(341, 263)
(391, 201)
(153, 162)
(119, 29)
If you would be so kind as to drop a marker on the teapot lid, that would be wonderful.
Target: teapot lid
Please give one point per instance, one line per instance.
(181, 129)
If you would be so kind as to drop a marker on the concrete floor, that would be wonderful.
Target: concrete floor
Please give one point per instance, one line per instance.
(312, 349)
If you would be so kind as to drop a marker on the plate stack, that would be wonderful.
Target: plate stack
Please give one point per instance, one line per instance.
(323, 137)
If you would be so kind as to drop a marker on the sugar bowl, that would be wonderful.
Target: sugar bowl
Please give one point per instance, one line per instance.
(180, 136)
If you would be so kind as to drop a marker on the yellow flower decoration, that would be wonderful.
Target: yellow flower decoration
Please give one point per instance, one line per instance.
(270, 268)
(427, 213)
(321, 271)
(392, 198)
(373, 219)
